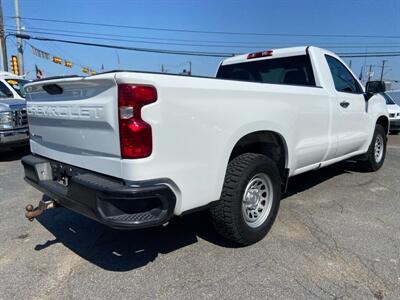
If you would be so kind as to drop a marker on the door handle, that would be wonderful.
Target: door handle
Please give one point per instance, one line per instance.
(344, 104)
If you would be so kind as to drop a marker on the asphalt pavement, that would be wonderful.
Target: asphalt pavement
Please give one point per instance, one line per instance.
(337, 236)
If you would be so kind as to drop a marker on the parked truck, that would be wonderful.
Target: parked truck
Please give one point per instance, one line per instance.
(133, 149)
(13, 116)
(394, 111)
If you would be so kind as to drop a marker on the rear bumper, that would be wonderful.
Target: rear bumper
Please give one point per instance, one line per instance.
(102, 198)
(14, 137)
(395, 124)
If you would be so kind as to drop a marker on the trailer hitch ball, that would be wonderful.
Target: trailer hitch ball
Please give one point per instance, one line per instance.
(33, 212)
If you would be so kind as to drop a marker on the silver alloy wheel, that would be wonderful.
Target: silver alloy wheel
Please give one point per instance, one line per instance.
(379, 148)
(257, 200)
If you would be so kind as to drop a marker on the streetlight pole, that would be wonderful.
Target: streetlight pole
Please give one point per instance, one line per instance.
(3, 46)
(19, 40)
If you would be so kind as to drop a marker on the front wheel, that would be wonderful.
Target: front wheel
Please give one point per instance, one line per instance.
(374, 158)
(250, 199)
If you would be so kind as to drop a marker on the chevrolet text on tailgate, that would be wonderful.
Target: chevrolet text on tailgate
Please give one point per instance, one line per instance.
(77, 112)
(133, 149)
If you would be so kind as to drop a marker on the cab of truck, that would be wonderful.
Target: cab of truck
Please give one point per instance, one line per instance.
(13, 117)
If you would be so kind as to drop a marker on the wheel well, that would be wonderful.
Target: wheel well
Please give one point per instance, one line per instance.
(268, 143)
(384, 122)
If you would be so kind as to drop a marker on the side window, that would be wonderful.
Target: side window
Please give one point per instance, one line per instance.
(342, 78)
(5, 91)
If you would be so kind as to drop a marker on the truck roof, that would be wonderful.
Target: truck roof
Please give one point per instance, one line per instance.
(260, 55)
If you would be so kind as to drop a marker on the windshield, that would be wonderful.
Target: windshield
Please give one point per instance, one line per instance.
(17, 85)
(388, 99)
(395, 96)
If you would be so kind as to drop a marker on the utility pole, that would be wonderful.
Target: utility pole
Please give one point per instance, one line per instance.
(3, 46)
(190, 68)
(383, 68)
(19, 40)
(162, 68)
(369, 73)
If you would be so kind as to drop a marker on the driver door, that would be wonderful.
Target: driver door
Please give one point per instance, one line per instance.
(349, 111)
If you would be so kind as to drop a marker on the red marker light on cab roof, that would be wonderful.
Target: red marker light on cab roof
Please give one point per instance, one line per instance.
(259, 54)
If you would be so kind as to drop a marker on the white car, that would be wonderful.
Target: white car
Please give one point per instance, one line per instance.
(394, 111)
(133, 149)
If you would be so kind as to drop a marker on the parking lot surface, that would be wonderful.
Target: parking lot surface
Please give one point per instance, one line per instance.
(337, 235)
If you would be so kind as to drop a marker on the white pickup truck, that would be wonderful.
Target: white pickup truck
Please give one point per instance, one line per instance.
(134, 149)
(13, 118)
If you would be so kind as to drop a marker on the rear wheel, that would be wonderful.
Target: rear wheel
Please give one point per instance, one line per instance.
(250, 199)
(375, 157)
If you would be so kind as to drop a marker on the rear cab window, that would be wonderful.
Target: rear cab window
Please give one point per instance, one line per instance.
(292, 70)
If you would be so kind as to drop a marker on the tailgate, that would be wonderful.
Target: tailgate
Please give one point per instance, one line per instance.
(74, 120)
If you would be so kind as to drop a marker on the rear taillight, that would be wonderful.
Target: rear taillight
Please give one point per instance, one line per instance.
(134, 133)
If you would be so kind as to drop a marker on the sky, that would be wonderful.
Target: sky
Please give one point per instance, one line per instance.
(323, 17)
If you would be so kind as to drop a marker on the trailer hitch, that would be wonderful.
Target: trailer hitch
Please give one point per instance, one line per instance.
(32, 213)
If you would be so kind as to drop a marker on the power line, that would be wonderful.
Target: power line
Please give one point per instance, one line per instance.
(190, 53)
(55, 45)
(247, 43)
(74, 63)
(363, 55)
(208, 32)
(135, 36)
(202, 45)
(143, 42)
(177, 52)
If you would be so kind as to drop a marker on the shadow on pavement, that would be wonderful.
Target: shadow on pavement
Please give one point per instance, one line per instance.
(11, 154)
(121, 251)
(126, 250)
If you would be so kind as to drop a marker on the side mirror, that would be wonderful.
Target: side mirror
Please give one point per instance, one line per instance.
(375, 87)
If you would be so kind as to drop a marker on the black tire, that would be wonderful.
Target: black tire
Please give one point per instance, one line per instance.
(368, 162)
(227, 215)
(20, 148)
